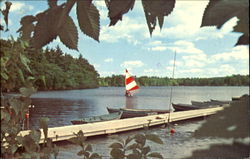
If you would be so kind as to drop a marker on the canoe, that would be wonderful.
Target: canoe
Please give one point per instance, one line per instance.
(130, 113)
(183, 107)
(93, 119)
(194, 105)
(220, 102)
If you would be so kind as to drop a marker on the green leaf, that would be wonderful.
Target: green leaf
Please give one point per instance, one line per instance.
(27, 27)
(117, 154)
(5, 13)
(16, 105)
(243, 40)
(155, 155)
(47, 26)
(95, 156)
(27, 92)
(52, 3)
(220, 11)
(154, 138)
(128, 140)
(88, 19)
(133, 156)
(35, 135)
(116, 145)
(243, 23)
(88, 148)
(117, 8)
(25, 61)
(227, 123)
(146, 150)
(157, 9)
(5, 115)
(80, 153)
(133, 146)
(20, 73)
(68, 33)
(44, 126)
(139, 138)
(4, 75)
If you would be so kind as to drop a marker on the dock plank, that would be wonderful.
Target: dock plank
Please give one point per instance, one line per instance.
(122, 125)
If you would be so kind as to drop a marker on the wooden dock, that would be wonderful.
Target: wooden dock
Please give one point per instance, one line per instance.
(122, 125)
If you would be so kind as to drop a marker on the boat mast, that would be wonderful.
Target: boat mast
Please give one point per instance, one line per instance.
(171, 89)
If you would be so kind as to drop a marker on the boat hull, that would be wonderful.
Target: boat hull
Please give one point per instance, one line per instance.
(93, 119)
(130, 113)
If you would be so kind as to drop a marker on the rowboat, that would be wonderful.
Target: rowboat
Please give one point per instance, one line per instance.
(194, 105)
(130, 113)
(220, 102)
(183, 107)
(93, 119)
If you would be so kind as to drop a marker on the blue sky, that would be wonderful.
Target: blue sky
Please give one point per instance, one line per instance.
(201, 52)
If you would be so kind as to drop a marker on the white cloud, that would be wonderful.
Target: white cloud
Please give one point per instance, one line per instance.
(157, 42)
(106, 73)
(159, 48)
(127, 29)
(20, 8)
(132, 64)
(182, 46)
(151, 71)
(240, 53)
(109, 60)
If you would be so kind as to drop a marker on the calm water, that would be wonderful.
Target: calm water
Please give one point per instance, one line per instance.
(63, 106)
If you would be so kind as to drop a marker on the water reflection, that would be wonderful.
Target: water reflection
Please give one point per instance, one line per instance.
(63, 106)
(131, 102)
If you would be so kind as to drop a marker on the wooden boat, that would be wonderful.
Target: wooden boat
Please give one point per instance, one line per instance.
(220, 102)
(194, 105)
(130, 113)
(106, 117)
(183, 107)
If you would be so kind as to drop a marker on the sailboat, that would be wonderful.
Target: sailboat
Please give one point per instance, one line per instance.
(130, 84)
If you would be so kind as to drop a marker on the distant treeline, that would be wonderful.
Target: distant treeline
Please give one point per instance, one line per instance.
(234, 80)
(54, 69)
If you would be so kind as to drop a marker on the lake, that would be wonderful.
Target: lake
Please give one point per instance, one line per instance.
(63, 106)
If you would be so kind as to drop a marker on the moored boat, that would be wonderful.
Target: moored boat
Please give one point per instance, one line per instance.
(92, 119)
(194, 105)
(183, 107)
(130, 113)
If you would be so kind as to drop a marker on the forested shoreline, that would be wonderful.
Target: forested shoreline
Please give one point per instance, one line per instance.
(49, 69)
(53, 69)
(234, 80)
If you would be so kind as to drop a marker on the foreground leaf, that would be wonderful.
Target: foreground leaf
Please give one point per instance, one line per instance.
(154, 138)
(27, 27)
(68, 33)
(156, 10)
(117, 8)
(220, 11)
(5, 13)
(27, 92)
(117, 154)
(155, 155)
(47, 27)
(88, 18)
(232, 122)
(52, 3)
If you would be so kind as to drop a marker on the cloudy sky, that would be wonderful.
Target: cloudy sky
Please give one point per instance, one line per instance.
(200, 52)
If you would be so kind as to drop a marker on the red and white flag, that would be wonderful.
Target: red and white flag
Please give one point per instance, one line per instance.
(130, 83)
